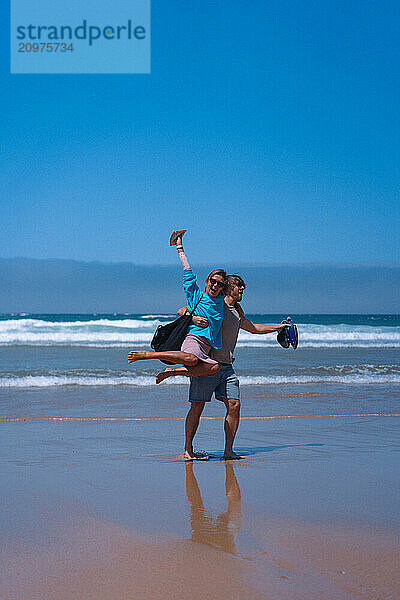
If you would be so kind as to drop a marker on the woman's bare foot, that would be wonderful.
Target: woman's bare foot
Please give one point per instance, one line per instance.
(164, 375)
(182, 371)
(138, 355)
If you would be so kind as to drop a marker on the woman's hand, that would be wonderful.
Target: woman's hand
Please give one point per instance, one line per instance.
(200, 321)
(175, 235)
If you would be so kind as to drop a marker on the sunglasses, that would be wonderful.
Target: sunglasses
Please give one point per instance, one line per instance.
(213, 281)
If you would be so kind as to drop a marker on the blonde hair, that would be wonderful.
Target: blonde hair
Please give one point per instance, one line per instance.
(220, 272)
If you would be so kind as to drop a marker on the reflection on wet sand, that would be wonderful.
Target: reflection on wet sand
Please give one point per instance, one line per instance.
(219, 532)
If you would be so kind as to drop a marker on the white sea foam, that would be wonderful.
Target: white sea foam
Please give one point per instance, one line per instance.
(102, 331)
(307, 379)
(76, 380)
(169, 316)
(73, 338)
(108, 332)
(106, 324)
(42, 381)
(348, 344)
(335, 333)
(274, 346)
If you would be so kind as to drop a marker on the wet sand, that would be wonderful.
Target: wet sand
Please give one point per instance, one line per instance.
(79, 555)
(103, 509)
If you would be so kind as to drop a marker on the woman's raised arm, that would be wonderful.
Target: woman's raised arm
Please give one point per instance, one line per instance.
(176, 240)
(182, 255)
(192, 291)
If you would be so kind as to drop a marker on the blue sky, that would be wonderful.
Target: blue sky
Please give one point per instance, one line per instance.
(270, 130)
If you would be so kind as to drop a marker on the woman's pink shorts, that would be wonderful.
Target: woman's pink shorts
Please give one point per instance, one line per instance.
(199, 346)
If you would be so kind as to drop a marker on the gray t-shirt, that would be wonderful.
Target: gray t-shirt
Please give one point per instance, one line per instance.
(230, 331)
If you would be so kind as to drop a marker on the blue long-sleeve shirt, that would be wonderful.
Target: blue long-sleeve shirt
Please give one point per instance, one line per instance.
(210, 308)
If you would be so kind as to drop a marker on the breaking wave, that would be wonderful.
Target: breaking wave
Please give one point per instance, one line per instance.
(104, 332)
(342, 374)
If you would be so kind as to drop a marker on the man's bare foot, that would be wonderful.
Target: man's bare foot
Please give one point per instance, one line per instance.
(231, 456)
(187, 455)
(164, 375)
(138, 355)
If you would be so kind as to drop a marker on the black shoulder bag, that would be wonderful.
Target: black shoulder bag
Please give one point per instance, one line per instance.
(170, 336)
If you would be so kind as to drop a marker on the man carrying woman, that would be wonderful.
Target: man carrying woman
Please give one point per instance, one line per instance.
(224, 385)
(208, 350)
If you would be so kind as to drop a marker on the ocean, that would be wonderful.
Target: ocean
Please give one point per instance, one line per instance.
(91, 449)
(70, 357)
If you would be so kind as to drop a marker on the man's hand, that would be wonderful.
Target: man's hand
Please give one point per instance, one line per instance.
(251, 327)
(200, 321)
(196, 319)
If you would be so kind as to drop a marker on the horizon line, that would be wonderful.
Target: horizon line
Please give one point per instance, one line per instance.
(342, 264)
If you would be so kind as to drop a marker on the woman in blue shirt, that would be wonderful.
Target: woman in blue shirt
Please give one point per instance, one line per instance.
(195, 351)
